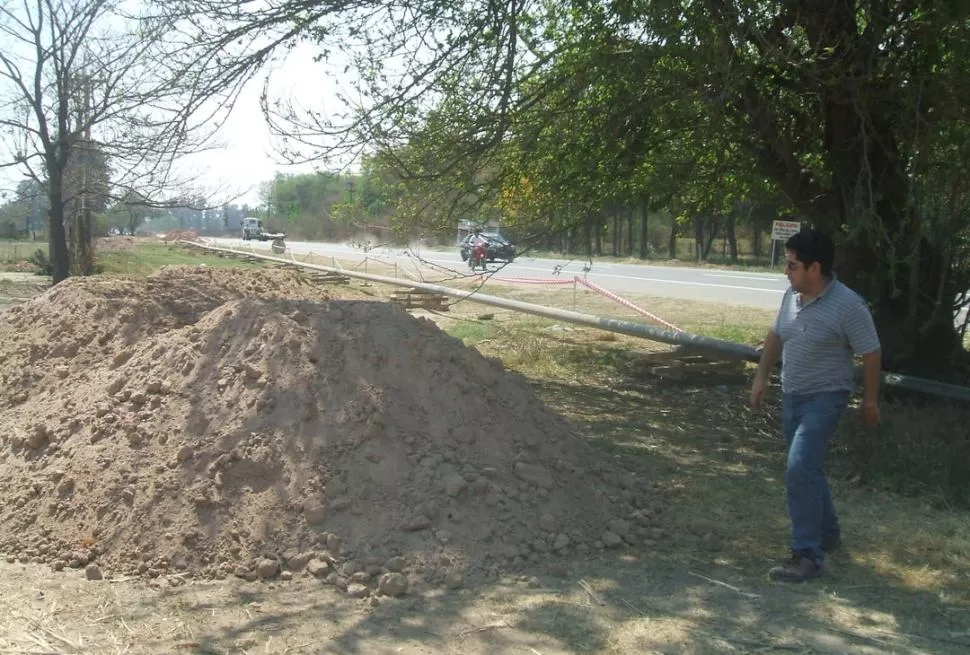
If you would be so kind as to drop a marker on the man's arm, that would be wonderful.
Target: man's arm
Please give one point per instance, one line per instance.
(871, 376)
(864, 340)
(769, 355)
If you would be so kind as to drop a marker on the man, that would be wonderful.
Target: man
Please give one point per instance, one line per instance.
(479, 253)
(820, 326)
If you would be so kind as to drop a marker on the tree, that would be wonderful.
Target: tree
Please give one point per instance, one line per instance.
(86, 79)
(87, 192)
(845, 103)
(851, 109)
(25, 213)
(130, 212)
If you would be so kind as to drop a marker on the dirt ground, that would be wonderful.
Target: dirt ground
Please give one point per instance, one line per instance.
(632, 604)
(695, 583)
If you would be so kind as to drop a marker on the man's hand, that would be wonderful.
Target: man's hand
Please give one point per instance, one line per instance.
(870, 413)
(758, 389)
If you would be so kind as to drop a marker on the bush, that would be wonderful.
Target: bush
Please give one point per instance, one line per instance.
(43, 264)
(911, 453)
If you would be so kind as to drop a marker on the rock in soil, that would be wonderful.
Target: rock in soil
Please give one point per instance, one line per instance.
(393, 584)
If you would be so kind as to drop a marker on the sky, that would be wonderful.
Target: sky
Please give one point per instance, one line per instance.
(245, 157)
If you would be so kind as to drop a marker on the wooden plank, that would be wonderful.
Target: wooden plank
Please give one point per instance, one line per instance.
(434, 302)
(328, 278)
(668, 355)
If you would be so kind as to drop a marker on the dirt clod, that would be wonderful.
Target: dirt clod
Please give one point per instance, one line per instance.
(356, 590)
(267, 568)
(393, 584)
(395, 564)
(317, 568)
(93, 572)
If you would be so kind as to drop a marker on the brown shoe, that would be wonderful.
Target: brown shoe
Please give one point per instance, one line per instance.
(797, 568)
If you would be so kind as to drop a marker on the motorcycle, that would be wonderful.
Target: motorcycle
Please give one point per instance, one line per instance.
(477, 257)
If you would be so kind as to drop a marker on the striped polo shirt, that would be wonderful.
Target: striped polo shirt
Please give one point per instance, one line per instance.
(820, 338)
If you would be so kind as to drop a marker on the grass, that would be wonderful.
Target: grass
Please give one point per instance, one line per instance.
(137, 259)
(719, 321)
(12, 252)
(144, 259)
(471, 333)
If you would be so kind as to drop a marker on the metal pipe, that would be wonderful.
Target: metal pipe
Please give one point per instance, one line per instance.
(693, 341)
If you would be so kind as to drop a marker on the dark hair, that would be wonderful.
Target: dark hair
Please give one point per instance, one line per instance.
(812, 246)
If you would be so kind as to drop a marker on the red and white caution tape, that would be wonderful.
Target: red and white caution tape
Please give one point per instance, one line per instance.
(593, 287)
(626, 303)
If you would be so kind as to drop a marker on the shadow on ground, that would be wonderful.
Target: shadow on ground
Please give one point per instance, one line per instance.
(698, 587)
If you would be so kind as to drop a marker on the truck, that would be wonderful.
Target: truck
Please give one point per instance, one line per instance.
(253, 230)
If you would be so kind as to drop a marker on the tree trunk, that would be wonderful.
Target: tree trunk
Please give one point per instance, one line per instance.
(712, 231)
(913, 311)
(729, 228)
(81, 245)
(598, 230)
(629, 232)
(866, 150)
(60, 262)
(699, 251)
(616, 233)
(672, 246)
(644, 224)
(909, 285)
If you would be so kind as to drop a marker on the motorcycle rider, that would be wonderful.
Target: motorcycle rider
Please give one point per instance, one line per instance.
(478, 254)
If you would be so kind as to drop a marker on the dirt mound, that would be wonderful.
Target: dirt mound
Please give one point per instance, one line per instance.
(206, 421)
(184, 235)
(119, 243)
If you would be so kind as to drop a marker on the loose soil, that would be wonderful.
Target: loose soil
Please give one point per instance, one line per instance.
(210, 422)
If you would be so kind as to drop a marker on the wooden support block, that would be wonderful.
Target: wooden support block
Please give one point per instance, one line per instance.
(326, 278)
(420, 299)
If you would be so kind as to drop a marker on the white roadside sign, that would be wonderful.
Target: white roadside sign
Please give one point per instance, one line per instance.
(782, 230)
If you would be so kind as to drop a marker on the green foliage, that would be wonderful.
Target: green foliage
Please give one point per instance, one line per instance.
(25, 213)
(130, 212)
(564, 117)
(318, 206)
(912, 455)
(41, 261)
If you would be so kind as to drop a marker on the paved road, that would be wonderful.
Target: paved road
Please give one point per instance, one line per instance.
(762, 290)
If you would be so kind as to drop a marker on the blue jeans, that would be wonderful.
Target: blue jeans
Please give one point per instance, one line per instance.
(809, 422)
